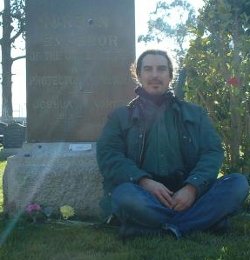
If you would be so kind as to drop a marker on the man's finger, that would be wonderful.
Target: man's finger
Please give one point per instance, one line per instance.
(165, 198)
(178, 207)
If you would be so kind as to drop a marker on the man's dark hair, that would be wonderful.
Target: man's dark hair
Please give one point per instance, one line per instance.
(135, 69)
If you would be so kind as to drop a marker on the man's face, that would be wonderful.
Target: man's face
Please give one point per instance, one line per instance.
(154, 75)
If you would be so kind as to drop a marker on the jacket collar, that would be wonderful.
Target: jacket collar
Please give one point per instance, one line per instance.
(180, 107)
(184, 111)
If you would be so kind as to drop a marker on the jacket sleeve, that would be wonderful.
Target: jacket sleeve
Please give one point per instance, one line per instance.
(111, 152)
(211, 155)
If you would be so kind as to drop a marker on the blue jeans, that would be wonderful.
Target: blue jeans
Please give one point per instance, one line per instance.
(133, 204)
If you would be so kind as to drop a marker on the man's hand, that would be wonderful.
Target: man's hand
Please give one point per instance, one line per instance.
(162, 193)
(184, 198)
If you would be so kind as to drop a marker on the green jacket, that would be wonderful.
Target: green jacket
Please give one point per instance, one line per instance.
(120, 147)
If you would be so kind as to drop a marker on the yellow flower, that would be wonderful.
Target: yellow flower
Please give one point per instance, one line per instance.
(67, 211)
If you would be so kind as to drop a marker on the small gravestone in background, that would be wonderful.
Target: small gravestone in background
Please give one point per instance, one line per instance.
(78, 58)
(14, 135)
(2, 131)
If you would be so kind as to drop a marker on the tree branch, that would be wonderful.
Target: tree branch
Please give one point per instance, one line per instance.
(21, 30)
(18, 58)
(17, 34)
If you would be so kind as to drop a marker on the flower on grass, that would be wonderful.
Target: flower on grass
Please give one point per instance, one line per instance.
(34, 211)
(31, 208)
(67, 211)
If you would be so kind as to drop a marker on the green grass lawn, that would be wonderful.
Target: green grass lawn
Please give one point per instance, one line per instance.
(21, 240)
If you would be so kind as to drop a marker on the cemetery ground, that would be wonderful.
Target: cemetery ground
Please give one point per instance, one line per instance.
(20, 239)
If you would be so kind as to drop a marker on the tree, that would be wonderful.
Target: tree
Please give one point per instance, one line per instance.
(162, 26)
(218, 75)
(13, 22)
(217, 66)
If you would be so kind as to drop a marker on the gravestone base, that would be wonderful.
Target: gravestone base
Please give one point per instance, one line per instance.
(54, 175)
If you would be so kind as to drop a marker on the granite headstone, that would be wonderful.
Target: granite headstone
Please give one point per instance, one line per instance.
(78, 58)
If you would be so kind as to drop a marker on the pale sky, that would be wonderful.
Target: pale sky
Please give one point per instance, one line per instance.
(142, 10)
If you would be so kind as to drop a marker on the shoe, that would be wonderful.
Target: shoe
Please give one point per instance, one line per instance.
(131, 231)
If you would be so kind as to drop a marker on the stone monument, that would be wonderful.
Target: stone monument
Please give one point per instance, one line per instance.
(78, 58)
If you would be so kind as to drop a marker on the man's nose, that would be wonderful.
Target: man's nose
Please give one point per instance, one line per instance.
(154, 73)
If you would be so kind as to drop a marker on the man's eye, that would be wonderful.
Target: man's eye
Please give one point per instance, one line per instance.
(162, 69)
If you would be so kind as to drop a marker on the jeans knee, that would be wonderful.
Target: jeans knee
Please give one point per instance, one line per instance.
(240, 185)
(123, 196)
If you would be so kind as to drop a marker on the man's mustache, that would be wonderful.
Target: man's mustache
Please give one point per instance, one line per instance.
(155, 81)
